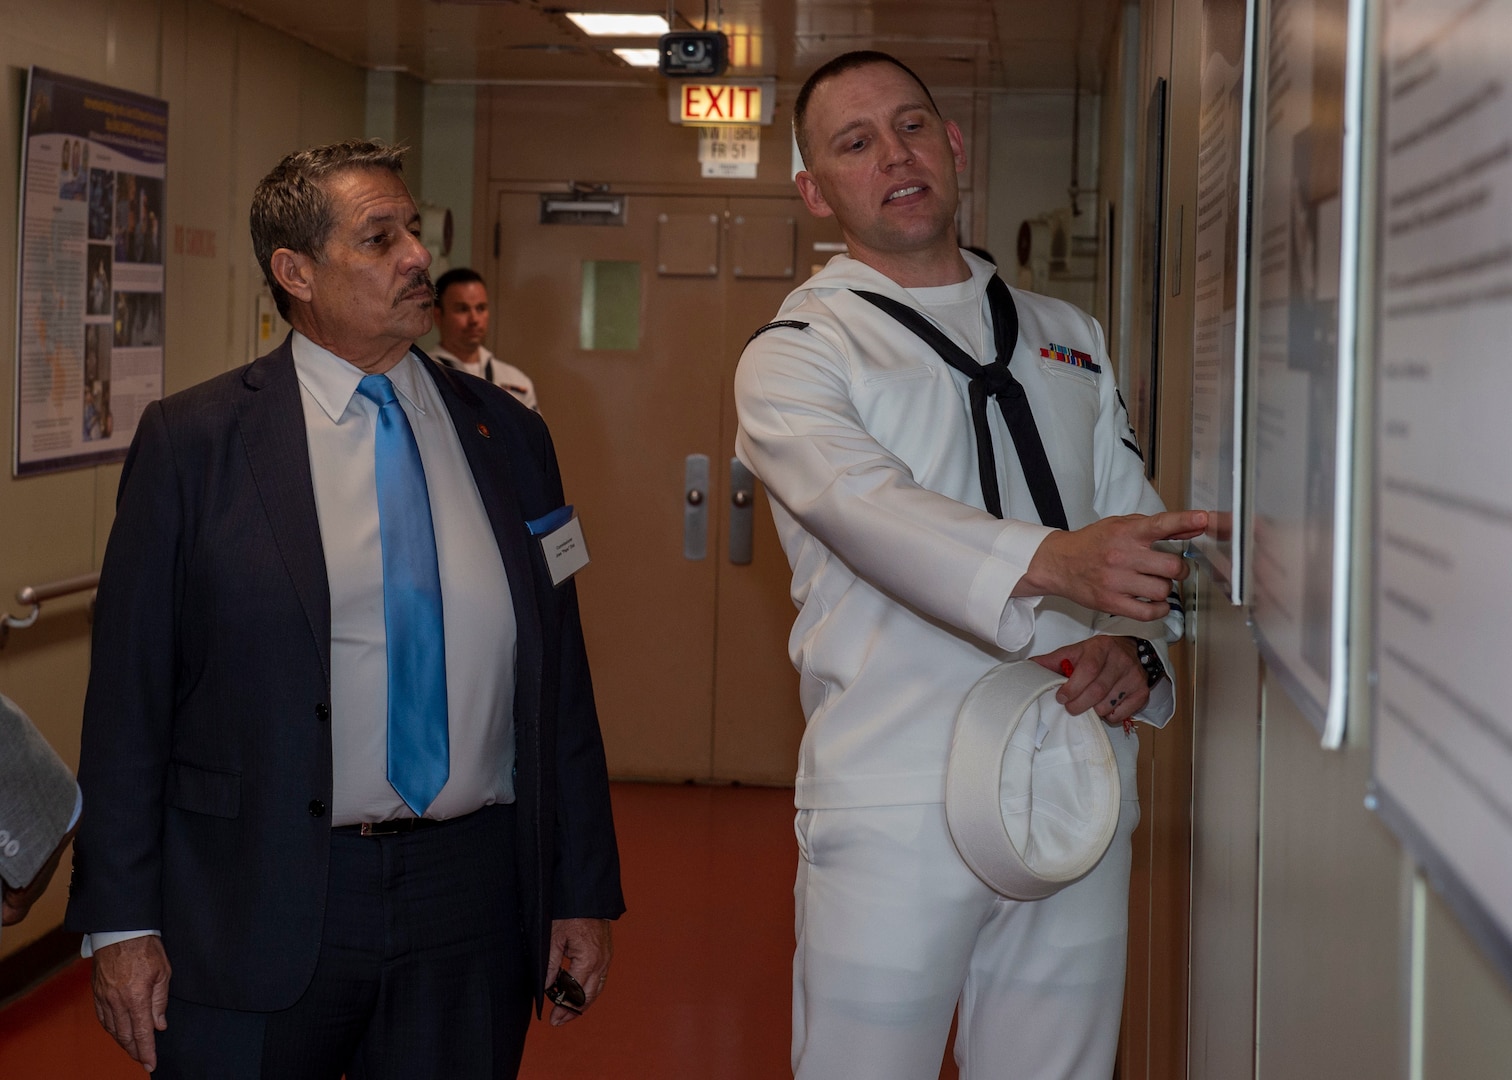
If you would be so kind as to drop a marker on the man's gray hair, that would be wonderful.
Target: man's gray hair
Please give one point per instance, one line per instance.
(292, 209)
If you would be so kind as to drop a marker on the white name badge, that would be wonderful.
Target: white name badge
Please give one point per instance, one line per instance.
(565, 550)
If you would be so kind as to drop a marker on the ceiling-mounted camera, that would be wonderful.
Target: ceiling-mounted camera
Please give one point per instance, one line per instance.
(686, 53)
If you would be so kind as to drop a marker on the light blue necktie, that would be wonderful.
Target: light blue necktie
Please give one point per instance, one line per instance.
(419, 756)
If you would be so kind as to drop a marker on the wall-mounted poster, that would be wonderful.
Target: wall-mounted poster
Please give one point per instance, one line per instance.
(1442, 733)
(1222, 258)
(89, 318)
(1298, 577)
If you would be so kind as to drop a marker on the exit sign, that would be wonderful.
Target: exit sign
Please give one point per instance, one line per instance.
(704, 103)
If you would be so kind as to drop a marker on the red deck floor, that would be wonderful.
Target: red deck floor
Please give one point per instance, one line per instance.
(701, 980)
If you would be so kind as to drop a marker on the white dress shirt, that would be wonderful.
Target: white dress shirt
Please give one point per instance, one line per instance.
(477, 612)
(475, 598)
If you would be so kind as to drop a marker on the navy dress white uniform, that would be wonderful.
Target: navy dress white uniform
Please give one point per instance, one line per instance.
(863, 436)
(490, 368)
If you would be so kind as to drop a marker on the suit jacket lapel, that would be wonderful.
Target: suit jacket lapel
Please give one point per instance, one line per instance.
(271, 418)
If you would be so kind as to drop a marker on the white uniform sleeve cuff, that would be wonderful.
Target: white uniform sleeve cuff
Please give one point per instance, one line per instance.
(1000, 575)
(1161, 706)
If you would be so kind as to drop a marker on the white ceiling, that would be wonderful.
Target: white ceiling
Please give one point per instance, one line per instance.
(1024, 44)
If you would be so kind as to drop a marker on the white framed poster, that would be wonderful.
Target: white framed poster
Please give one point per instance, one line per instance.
(89, 318)
(1442, 735)
(1304, 305)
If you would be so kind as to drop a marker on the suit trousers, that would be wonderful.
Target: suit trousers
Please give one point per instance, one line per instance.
(421, 972)
(895, 933)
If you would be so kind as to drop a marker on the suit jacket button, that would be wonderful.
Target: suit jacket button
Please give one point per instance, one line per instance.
(323, 712)
(317, 808)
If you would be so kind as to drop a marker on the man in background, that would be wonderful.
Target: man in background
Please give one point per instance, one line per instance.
(462, 323)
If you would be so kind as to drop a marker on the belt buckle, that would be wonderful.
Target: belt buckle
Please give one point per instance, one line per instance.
(394, 826)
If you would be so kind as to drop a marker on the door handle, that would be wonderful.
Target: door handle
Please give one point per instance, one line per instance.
(696, 506)
(742, 507)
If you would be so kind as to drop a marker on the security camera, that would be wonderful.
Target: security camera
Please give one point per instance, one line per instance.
(686, 53)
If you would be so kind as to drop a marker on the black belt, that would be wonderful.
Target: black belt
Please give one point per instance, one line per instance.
(391, 827)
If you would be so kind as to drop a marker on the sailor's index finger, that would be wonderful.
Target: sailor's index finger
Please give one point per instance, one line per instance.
(1174, 525)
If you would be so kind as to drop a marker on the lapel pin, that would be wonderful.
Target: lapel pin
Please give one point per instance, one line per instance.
(483, 431)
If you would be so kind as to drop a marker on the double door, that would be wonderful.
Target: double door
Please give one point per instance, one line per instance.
(630, 313)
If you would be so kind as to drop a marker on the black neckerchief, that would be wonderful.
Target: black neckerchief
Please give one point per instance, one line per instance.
(992, 380)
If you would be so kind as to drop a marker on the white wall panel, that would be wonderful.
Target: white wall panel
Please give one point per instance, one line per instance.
(1331, 966)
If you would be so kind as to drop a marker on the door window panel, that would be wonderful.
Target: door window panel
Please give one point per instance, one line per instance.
(611, 305)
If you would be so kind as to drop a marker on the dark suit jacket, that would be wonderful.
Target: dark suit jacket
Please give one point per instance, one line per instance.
(206, 756)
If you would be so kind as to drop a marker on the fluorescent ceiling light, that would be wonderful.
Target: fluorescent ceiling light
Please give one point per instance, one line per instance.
(643, 58)
(611, 24)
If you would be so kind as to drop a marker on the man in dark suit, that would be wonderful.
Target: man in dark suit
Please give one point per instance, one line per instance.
(349, 807)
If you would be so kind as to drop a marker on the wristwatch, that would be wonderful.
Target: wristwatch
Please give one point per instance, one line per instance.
(1149, 659)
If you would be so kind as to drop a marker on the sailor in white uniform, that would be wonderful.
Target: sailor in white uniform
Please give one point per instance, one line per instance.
(943, 512)
(462, 314)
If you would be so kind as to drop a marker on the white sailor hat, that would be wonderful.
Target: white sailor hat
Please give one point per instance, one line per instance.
(1032, 792)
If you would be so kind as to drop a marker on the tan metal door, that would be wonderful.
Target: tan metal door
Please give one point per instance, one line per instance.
(631, 332)
(769, 250)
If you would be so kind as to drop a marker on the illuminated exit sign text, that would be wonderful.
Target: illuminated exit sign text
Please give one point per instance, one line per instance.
(703, 103)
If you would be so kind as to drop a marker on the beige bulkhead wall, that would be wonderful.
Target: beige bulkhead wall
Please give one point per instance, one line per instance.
(618, 134)
(1029, 179)
(446, 168)
(240, 95)
(1316, 948)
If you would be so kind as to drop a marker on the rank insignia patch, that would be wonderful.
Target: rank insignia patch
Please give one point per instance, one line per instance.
(1070, 356)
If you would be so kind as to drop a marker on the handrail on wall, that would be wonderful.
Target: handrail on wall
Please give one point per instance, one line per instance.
(34, 595)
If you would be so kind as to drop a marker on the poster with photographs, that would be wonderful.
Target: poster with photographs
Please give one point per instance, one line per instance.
(89, 326)
(1441, 737)
(1298, 576)
(1222, 248)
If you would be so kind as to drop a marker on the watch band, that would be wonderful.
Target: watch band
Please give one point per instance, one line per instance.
(1149, 659)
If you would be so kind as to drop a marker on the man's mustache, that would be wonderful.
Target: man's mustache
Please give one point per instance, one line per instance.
(419, 282)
